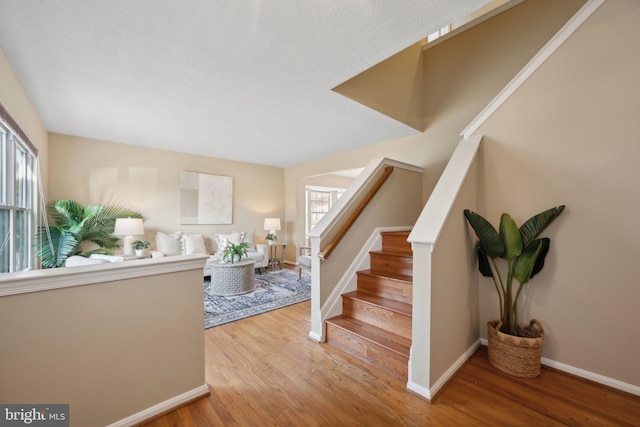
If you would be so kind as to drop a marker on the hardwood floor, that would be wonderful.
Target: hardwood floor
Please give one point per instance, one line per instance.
(265, 371)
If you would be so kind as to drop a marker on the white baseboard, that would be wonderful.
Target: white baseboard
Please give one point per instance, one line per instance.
(167, 405)
(437, 386)
(417, 388)
(315, 337)
(588, 375)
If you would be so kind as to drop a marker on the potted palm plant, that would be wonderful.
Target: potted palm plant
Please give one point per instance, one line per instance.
(513, 348)
(74, 227)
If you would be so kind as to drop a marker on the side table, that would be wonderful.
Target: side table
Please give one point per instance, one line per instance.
(233, 279)
(273, 255)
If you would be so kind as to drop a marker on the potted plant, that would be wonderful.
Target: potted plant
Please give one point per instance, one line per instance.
(271, 238)
(232, 250)
(73, 228)
(140, 246)
(513, 348)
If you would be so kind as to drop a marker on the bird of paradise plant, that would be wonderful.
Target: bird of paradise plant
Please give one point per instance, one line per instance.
(522, 251)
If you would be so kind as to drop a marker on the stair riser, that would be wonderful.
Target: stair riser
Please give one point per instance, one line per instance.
(396, 243)
(387, 361)
(383, 263)
(377, 316)
(388, 288)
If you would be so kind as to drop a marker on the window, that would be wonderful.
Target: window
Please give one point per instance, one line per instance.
(437, 34)
(319, 201)
(17, 198)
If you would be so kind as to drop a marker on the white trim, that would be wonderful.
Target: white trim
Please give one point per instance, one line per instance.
(166, 406)
(591, 376)
(418, 389)
(65, 277)
(552, 45)
(436, 211)
(315, 337)
(454, 368)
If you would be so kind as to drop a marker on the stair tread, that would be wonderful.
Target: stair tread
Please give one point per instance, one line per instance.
(388, 252)
(386, 303)
(386, 339)
(389, 275)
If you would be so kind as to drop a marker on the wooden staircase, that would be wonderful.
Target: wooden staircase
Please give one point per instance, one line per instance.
(375, 324)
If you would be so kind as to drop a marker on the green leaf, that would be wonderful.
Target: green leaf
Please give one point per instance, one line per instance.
(544, 250)
(63, 244)
(523, 265)
(483, 263)
(489, 238)
(536, 224)
(510, 236)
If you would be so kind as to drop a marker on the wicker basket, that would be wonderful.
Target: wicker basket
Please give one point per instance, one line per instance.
(514, 355)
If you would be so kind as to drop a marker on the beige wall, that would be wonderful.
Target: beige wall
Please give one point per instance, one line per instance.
(109, 349)
(148, 180)
(17, 103)
(461, 76)
(569, 136)
(454, 285)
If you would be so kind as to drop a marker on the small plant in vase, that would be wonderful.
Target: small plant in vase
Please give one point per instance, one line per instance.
(271, 238)
(513, 348)
(140, 246)
(232, 251)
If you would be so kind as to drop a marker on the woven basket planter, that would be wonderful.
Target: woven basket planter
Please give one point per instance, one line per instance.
(515, 355)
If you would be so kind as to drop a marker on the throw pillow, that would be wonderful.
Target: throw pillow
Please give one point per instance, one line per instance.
(193, 244)
(169, 244)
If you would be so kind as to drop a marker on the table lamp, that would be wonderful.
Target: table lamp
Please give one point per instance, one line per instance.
(128, 227)
(272, 225)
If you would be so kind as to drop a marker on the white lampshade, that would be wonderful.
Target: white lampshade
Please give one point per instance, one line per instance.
(272, 224)
(128, 227)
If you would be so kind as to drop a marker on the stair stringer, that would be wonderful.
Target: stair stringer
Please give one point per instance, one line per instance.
(349, 280)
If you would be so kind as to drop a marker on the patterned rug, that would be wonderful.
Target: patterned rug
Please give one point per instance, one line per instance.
(274, 289)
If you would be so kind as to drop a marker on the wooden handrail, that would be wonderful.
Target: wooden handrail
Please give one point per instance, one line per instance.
(354, 216)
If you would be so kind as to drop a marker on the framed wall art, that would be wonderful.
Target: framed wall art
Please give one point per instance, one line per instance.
(205, 198)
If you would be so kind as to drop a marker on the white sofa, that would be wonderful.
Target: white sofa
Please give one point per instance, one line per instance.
(182, 244)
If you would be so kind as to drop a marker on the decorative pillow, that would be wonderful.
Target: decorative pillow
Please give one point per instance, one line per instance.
(193, 244)
(169, 244)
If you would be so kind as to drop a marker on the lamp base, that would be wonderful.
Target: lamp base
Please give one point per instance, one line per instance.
(128, 245)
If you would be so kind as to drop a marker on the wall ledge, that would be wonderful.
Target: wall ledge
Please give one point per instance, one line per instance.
(65, 277)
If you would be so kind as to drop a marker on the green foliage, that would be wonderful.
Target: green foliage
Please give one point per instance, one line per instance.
(73, 225)
(233, 250)
(519, 248)
(140, 244)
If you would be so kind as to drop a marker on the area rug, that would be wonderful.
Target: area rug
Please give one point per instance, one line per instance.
(274, 289)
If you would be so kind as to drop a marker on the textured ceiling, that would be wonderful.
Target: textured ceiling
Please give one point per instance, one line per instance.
(246, 80)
